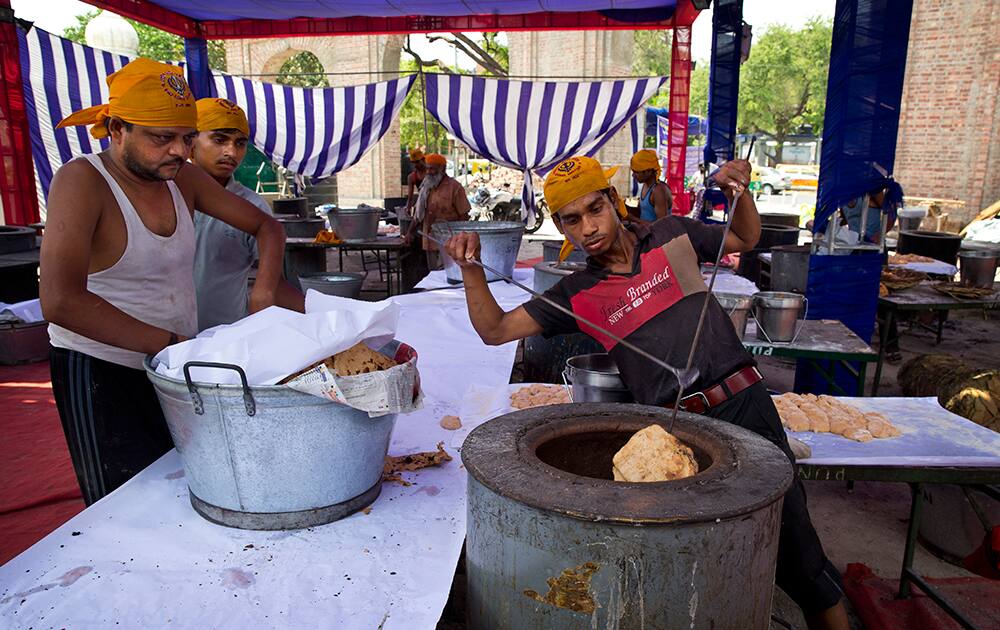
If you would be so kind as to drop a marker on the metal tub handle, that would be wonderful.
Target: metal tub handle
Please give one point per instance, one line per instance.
(199, 407)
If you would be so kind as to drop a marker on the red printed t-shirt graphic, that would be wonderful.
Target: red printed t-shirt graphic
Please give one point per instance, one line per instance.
(622, 304)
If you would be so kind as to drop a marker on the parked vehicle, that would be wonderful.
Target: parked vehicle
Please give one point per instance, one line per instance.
(772, 181)
(499, 205)
(804, 176)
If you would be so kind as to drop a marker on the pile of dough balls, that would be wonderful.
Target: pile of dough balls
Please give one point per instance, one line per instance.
(538, 395)
(825, 414)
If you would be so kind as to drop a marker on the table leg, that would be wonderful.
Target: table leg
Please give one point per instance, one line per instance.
(916, 509)
(862, 373)
(883, 335)
(942, 315)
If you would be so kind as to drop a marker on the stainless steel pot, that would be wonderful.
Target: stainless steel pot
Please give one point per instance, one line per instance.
(790, 268)
(551, 249)
(270, 457)
(355, 225)
(333, 283)
(595, 378)
(978, 267)
(298, 227)
(777, 315)
(738, 307)
(500, 241)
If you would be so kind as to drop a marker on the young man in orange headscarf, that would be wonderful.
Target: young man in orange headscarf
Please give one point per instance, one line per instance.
(643, 283)
(117, 268)
(441, 198)
(655, 199)
(224, 254)
(414, 179)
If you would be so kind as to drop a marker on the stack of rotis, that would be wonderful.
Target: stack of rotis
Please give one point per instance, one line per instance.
(970, 392)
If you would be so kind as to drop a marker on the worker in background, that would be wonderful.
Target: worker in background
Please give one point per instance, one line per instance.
(441, 198)
(653, 269)
(877, 204)
(224, 255)
(118, 266)
(414, 179)
(655, 199)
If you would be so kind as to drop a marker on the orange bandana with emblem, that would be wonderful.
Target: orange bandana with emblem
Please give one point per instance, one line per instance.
(219, 113)
(144, 92)
(573, 179)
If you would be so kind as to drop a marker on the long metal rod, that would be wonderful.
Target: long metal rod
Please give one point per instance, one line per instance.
(708, 294)
(683, 376)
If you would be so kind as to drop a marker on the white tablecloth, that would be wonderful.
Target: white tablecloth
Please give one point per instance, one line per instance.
(438, 279)
(142, 557)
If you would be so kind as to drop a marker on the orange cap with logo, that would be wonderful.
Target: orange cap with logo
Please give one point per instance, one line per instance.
(144, 92)
(416, 155)
(572, 179)
(220, 113)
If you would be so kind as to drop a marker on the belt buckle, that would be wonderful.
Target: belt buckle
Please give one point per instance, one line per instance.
(704, 400)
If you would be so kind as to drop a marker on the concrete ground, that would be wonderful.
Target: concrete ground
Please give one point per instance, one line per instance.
(868, 523)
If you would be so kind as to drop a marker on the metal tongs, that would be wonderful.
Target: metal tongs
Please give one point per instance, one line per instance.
(711, 285)
(685, 377)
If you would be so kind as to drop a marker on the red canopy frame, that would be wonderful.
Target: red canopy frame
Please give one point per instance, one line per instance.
(17, 184)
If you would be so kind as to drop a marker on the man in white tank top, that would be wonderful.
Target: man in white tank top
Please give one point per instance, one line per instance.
(224, 255)
(117, 268)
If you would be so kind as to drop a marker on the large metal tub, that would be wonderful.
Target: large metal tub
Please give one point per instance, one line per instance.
(544, 359)
(693, 553)
(790, 268)
(355, 225)
(299, 227)
(941, 246)
(500, 241)
(978, 268)
(269, 457)
(595, 378)
(338, 283)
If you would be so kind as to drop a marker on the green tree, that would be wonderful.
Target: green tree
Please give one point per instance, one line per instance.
(302, 70)
(413, 115)
(783, 84)
(651, 53)
(153, 43)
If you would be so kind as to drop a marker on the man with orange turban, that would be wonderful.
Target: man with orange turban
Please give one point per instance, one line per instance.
(643, 284)
(224, 255)
(415, 178)
(117, 268)
(441, 198)
(655, 199)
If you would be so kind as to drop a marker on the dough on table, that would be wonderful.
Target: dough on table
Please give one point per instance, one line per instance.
(826, 414)
(538, 395)
(880, 427)
(452, 423)
(858, 435)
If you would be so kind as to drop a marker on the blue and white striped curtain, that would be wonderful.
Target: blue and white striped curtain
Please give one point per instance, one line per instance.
(534, 125)
(60, 77)
(315, 131)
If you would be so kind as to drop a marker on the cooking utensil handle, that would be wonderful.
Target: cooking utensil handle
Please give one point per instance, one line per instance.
(569, 388)
(798, 325)
(199, 407)
(760, 327)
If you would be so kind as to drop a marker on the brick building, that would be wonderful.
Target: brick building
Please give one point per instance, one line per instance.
(949, 131)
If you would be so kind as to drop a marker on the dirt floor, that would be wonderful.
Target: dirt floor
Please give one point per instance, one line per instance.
(865, 524)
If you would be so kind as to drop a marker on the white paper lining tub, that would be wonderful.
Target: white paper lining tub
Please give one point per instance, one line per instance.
(270, 457)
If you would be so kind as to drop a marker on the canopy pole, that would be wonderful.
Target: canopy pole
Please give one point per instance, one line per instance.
(680, 88)
(198, 74)
(724, 81)
(18, 194)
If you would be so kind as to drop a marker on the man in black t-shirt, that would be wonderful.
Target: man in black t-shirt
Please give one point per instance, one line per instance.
(644, 284)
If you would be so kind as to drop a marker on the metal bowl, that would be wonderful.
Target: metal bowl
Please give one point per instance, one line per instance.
(500, 241)
(355, 225)
(333, 283)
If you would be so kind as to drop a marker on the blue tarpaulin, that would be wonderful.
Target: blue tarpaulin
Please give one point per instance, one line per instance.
(844, 288)
(864, 90)
(724, 81)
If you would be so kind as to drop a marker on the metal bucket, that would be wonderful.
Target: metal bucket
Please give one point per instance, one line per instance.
(298, 227)
(738, 307)
(553, 542)
(551, 249)
(544, 359)
(790, 268)
(595, 378)
(777, 315)
(978, 268)
(333, 283)
(269, 457)
(355, 225)
(500, 240)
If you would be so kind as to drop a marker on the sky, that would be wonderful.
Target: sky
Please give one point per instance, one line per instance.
(55, 15)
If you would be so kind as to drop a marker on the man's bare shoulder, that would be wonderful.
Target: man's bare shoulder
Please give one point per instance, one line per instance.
(78, 185)
(75, 173)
